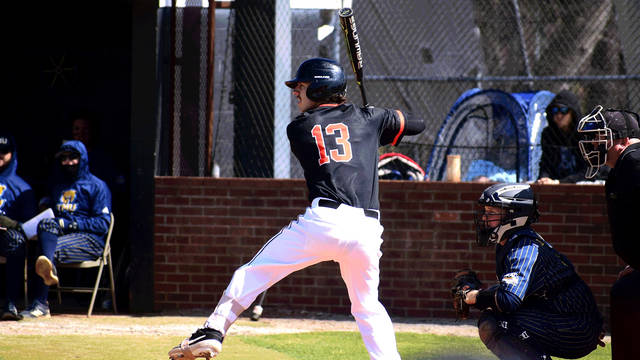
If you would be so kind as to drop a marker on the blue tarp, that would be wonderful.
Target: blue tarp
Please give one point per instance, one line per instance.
(496, 134)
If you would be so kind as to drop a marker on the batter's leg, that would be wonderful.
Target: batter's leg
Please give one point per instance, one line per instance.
(360, 272)
(283, 254)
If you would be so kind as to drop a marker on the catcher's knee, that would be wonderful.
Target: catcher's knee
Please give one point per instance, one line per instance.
(487, 328)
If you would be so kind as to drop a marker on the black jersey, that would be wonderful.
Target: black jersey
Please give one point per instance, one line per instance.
(623, 204)
(337, 146)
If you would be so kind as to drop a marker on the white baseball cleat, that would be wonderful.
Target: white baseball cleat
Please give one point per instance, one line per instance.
(204, 343)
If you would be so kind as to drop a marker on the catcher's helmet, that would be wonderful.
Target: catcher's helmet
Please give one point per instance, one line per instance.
(518, 208)
(599, 129)
(325, 76)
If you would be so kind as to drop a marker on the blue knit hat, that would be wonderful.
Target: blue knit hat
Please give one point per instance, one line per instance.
(7, 144)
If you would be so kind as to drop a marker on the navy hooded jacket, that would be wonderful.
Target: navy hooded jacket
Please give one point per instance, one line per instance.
(17, 199)
(561, 158)
(85, 200)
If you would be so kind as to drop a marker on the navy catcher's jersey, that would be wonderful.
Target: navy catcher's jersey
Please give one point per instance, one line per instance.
(337, 146)
(532, 272)
(542, 301)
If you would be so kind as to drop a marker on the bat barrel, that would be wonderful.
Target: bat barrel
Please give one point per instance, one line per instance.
(348, 24)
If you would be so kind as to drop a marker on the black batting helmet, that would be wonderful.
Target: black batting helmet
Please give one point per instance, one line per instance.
(325, 76)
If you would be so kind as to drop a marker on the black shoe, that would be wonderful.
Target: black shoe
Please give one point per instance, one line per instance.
(205, 342)
(11, 313)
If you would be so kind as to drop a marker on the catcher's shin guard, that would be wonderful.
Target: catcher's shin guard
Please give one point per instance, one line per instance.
(204, 343)
(501, 343)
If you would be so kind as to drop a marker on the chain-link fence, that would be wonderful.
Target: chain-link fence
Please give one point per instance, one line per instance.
(480, 73)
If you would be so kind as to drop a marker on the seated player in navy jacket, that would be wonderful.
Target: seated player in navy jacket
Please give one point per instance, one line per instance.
(17, 205)
(82, 206)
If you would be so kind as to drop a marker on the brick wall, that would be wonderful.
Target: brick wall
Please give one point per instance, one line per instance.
(205, 228)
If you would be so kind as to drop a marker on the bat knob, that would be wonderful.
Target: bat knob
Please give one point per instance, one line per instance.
(345, 12)
(257, 312)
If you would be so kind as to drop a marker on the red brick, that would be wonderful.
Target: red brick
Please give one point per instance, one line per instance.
(445, 216)
(219, 224)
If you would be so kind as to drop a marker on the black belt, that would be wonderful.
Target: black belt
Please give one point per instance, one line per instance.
(334, 205)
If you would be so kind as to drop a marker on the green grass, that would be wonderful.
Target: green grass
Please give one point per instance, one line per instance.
(349, 346)
(307, 346)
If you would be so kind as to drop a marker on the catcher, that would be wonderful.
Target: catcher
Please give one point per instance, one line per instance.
(540, 307)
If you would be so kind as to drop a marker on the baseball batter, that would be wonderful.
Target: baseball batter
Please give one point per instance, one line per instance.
(337, 146)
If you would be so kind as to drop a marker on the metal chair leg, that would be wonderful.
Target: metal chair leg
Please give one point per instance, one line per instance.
(95, 289)
(113, 285)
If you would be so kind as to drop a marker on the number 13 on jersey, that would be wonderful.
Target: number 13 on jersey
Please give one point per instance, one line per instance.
(342, 153)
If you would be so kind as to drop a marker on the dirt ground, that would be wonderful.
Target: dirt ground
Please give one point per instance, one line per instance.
(174, 324)
(184, 324)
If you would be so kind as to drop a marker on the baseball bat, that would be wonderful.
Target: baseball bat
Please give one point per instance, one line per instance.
(257, 310)
(348, 24)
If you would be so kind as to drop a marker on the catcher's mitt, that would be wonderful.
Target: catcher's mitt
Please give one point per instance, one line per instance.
(464, 281)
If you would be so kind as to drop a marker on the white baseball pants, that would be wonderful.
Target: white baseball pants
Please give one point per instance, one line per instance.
(344, 235)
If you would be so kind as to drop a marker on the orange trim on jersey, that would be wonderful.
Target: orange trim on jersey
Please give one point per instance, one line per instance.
(395, 140)
(329, 105)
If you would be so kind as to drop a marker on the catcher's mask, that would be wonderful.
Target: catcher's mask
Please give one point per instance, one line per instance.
(325, 78)
(504, 208)
(596, 140)
(599, 129)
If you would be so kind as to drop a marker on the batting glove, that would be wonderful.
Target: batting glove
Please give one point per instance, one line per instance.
(67, 225)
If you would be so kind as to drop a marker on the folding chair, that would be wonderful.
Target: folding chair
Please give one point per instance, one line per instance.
(100, 262)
